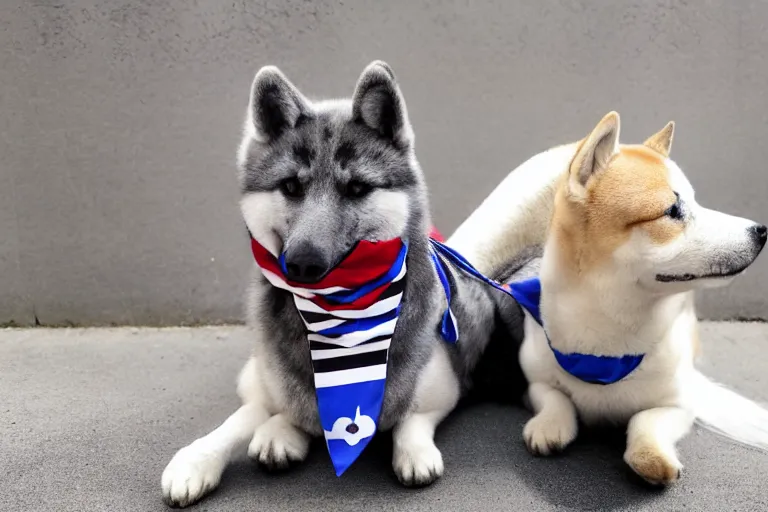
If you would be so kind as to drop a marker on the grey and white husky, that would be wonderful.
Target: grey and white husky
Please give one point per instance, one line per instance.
(316, 178)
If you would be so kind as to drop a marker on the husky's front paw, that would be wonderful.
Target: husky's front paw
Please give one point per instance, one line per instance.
(277, 443)
(192, 473)
(547, 434)
(417, 464)
(653, 465)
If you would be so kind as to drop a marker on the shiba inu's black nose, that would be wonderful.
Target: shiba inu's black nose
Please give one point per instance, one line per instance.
(759, 233)
(306, 263)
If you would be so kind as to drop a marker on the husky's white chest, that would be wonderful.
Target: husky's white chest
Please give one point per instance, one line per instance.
(654, 383)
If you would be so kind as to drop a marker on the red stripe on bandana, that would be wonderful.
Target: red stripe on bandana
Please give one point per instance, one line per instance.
(435, 234)
(367, 262)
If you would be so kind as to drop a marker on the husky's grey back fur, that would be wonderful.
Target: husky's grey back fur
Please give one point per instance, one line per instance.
(325, 175)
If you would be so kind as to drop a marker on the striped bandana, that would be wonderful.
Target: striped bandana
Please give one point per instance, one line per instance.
(350, 315)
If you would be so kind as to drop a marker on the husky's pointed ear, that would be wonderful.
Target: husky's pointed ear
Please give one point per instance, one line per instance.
(662, 141)
(378, 104)
(594, 153)
(276, 104)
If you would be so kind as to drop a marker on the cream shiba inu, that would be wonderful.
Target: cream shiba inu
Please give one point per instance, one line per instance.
(625, 244)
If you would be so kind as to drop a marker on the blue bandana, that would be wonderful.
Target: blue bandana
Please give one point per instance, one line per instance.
(586, 367)
(350, 316)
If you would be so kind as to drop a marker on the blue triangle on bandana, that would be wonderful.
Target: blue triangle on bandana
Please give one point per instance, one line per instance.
(349, 415)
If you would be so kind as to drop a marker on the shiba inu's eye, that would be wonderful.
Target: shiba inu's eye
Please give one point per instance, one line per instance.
(357, 189)
(675, 211)
(292, 187)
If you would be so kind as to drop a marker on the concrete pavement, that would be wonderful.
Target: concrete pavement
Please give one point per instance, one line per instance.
(90, 417)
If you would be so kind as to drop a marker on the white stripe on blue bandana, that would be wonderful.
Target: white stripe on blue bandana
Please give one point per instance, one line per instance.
(279, 282)
(360, 349)
(351, 376)
(354, 338)
(378, 308)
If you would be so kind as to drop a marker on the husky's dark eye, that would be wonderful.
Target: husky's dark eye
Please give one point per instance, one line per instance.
(675, 211)
(291, 187)
(357, 189)
(304, 155)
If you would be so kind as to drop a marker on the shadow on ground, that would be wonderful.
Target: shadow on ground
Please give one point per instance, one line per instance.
(480, 445)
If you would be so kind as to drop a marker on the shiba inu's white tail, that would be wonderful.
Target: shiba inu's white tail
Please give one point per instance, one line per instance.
(729, 414)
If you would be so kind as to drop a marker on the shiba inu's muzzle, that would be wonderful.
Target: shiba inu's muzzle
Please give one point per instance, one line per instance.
(726, 264)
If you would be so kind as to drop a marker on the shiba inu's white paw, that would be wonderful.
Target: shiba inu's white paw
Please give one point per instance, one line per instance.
(555, 423)
(192, 473)
(653, 465)
(417, 464)
(546, 434)
(277, 443)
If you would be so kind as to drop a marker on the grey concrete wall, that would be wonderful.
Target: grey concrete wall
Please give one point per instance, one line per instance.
(119, 122)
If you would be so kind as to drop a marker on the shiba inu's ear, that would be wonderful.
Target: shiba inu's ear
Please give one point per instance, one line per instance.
(594, 154)
(378, 103)
(276, 104)
(662, 141)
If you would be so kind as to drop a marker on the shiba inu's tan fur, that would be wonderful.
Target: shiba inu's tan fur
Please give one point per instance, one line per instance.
(625, 245)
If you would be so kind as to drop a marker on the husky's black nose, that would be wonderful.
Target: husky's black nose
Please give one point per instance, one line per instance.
(306, 263)
(759, 233)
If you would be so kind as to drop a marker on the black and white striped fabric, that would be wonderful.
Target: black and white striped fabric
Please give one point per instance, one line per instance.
(350, 345)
